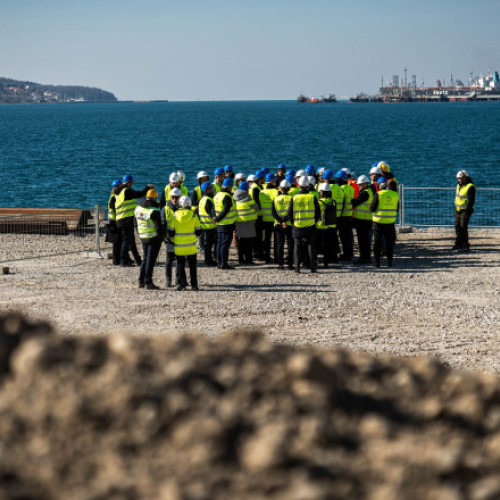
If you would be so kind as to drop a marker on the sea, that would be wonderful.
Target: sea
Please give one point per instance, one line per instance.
(67, 155)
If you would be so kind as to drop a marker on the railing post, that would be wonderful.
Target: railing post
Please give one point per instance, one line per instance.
(401, 204)
(97, 235)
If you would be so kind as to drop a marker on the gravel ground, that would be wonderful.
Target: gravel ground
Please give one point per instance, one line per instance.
(433, 301)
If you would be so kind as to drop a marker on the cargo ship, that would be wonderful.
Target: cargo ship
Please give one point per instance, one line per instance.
(485, 87)
(327, 98)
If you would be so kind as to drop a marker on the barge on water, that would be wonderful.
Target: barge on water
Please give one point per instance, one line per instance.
(328, 98)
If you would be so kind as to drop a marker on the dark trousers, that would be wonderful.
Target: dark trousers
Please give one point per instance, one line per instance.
(307, 237)
(169, 266)
(383, 233)
(364, 233)
(128, 244)
(150, 251)
(259, 244)
(344, 225)
(462, 229)
(181, 270)
(281, 235)
(268, 232)
(326, 244)
(224, 240)
(210, 245)
(245, 250)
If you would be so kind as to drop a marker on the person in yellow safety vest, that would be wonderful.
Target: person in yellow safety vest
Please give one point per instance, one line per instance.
(384, 206)
(150, 230)
(363, 219)
(224, 215)
(113, 234)
(166, 212)
(219, 177)
(255, 189)
(175, 181)
(344, 222)
(125, 203)
(184, 228)
(266, 197)
(312, 186)
(326, 234)
(304, 213)
(246, 217)
(465, 198)
(208, 226)
(294, 189)
(197, 194)
(282, 225)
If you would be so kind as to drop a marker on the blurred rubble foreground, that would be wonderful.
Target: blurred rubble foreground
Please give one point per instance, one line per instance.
(133, 417)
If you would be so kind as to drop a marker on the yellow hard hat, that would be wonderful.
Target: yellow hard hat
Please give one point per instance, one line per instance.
(383, 165)
(152, 194)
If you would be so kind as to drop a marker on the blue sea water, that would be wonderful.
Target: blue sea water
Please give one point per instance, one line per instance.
(67, 155)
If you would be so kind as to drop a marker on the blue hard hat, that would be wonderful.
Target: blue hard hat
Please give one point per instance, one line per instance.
(219, 171)
(381, 180)
(260, 173)
(290, 178)
(244, 186)
(228, 182)
(375, 164)
(265, 170)
(228, 168)
(291, 172)
(118, 182)
(270, 177)
(311, 170)
(340, 174)
(128, 178)
(282, 166)
(327, 174)
(204, 186)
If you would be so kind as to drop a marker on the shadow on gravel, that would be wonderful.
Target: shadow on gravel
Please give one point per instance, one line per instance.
(281, 288)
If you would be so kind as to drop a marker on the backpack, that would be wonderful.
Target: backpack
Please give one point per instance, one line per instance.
(329, 215)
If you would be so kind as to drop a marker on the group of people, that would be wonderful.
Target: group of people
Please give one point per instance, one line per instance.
(309, 212)
(289, 218)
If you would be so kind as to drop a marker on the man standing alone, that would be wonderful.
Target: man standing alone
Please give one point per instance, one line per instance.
(464, 208)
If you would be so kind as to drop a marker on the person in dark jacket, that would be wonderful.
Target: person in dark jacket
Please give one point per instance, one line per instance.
(224, 215)
(125, 203)
(464, 208)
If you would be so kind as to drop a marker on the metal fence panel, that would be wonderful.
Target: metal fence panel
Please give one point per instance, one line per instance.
(435, 207)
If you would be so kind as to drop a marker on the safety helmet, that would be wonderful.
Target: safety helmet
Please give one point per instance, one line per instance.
(266, 170)
(152, 194)
(251, 178)
(284, 184)
(384, 166)
(281, 166)
(312, 179)
(320, 171)
(325, 187)
(290, 171)
(304, 181)
(347, 171)
(375, 170)
(127, 178)
(118, 182)
(301, 173)
(327, 174)
(270, 177)
(310, 170)
(174, 177)
(381, 180)
(185, 201)
(175, 192)
(239, 177)
(204, 186)
(363, 179)
(340, 174)
(181, 175)
(202, 174)
(228, 168)
(244, 186)
(219, 171)
(290, 178)
(462, 173)
(228, 182)
(260, 174)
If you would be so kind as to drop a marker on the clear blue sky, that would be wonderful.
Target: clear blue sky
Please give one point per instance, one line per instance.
(223, 50)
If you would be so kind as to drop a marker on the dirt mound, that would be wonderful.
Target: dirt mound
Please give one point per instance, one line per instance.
(126, 417)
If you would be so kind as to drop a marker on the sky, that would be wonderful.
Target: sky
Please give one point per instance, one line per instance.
(245, 50)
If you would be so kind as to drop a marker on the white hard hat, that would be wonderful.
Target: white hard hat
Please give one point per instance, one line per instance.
(301, 173)
(462, 173)
(321, 170)
(347, 171)
(325, 187)
(182, 175)
(363, 179)
(251, 178)
(202, 174)
(175, 192)
(239, 177)
(304, 181)
(312, 179)
(285, 184)
(376, 170)
(185, 201)
(174, 177)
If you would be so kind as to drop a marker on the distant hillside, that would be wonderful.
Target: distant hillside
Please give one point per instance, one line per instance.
(16, 91)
